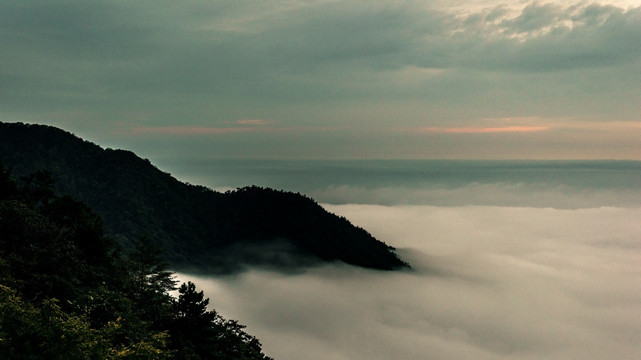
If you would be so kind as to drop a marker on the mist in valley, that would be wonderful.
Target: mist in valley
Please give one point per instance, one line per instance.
(557, 277)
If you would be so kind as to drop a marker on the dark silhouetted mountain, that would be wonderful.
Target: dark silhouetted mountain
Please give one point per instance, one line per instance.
(200, 229)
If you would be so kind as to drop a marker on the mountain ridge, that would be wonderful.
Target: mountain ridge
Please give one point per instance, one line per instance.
(199, 228)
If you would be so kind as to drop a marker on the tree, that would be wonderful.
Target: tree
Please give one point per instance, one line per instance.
(150, 283)
(191, 328)
(205, 334)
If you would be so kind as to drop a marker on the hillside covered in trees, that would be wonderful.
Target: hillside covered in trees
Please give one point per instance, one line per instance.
(198, 229)
(69, 292)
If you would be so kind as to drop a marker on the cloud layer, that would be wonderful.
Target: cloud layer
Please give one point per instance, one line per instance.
(489, 283)
(514, 260)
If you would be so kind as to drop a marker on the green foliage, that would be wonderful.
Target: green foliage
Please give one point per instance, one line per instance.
(45, 331)
(67, 292)
(152, 349)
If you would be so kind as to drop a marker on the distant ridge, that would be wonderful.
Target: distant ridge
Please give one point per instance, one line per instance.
(199, 229)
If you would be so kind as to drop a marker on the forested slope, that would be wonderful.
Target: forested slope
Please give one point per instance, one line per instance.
(199, 229)
(68, 292)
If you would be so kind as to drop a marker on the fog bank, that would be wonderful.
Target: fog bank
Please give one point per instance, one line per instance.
(489, 282)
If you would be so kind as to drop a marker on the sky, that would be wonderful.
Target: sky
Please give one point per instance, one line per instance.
(329, 79)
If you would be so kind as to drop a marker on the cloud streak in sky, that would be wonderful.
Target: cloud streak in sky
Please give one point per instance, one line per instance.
(188, 130)
(253, 126)
(482, 130)
(254, 122)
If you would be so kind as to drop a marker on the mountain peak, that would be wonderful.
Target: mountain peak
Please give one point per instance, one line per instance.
(200, 229)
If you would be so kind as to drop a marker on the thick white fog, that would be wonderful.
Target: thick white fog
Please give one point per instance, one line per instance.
(489, 282)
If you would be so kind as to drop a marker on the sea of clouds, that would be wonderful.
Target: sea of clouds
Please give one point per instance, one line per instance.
(488, 282)
(507, 263)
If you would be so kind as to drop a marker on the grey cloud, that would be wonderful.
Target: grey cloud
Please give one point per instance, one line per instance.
(70, 30)
(93, 66)
(186, 47)
(599, 36)
(535, 17)
(59, 55)
(182, 43)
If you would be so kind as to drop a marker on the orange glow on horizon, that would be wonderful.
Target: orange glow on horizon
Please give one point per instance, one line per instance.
(483, 130)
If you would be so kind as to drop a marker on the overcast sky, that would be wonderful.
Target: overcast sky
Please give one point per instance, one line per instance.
(329, 79)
